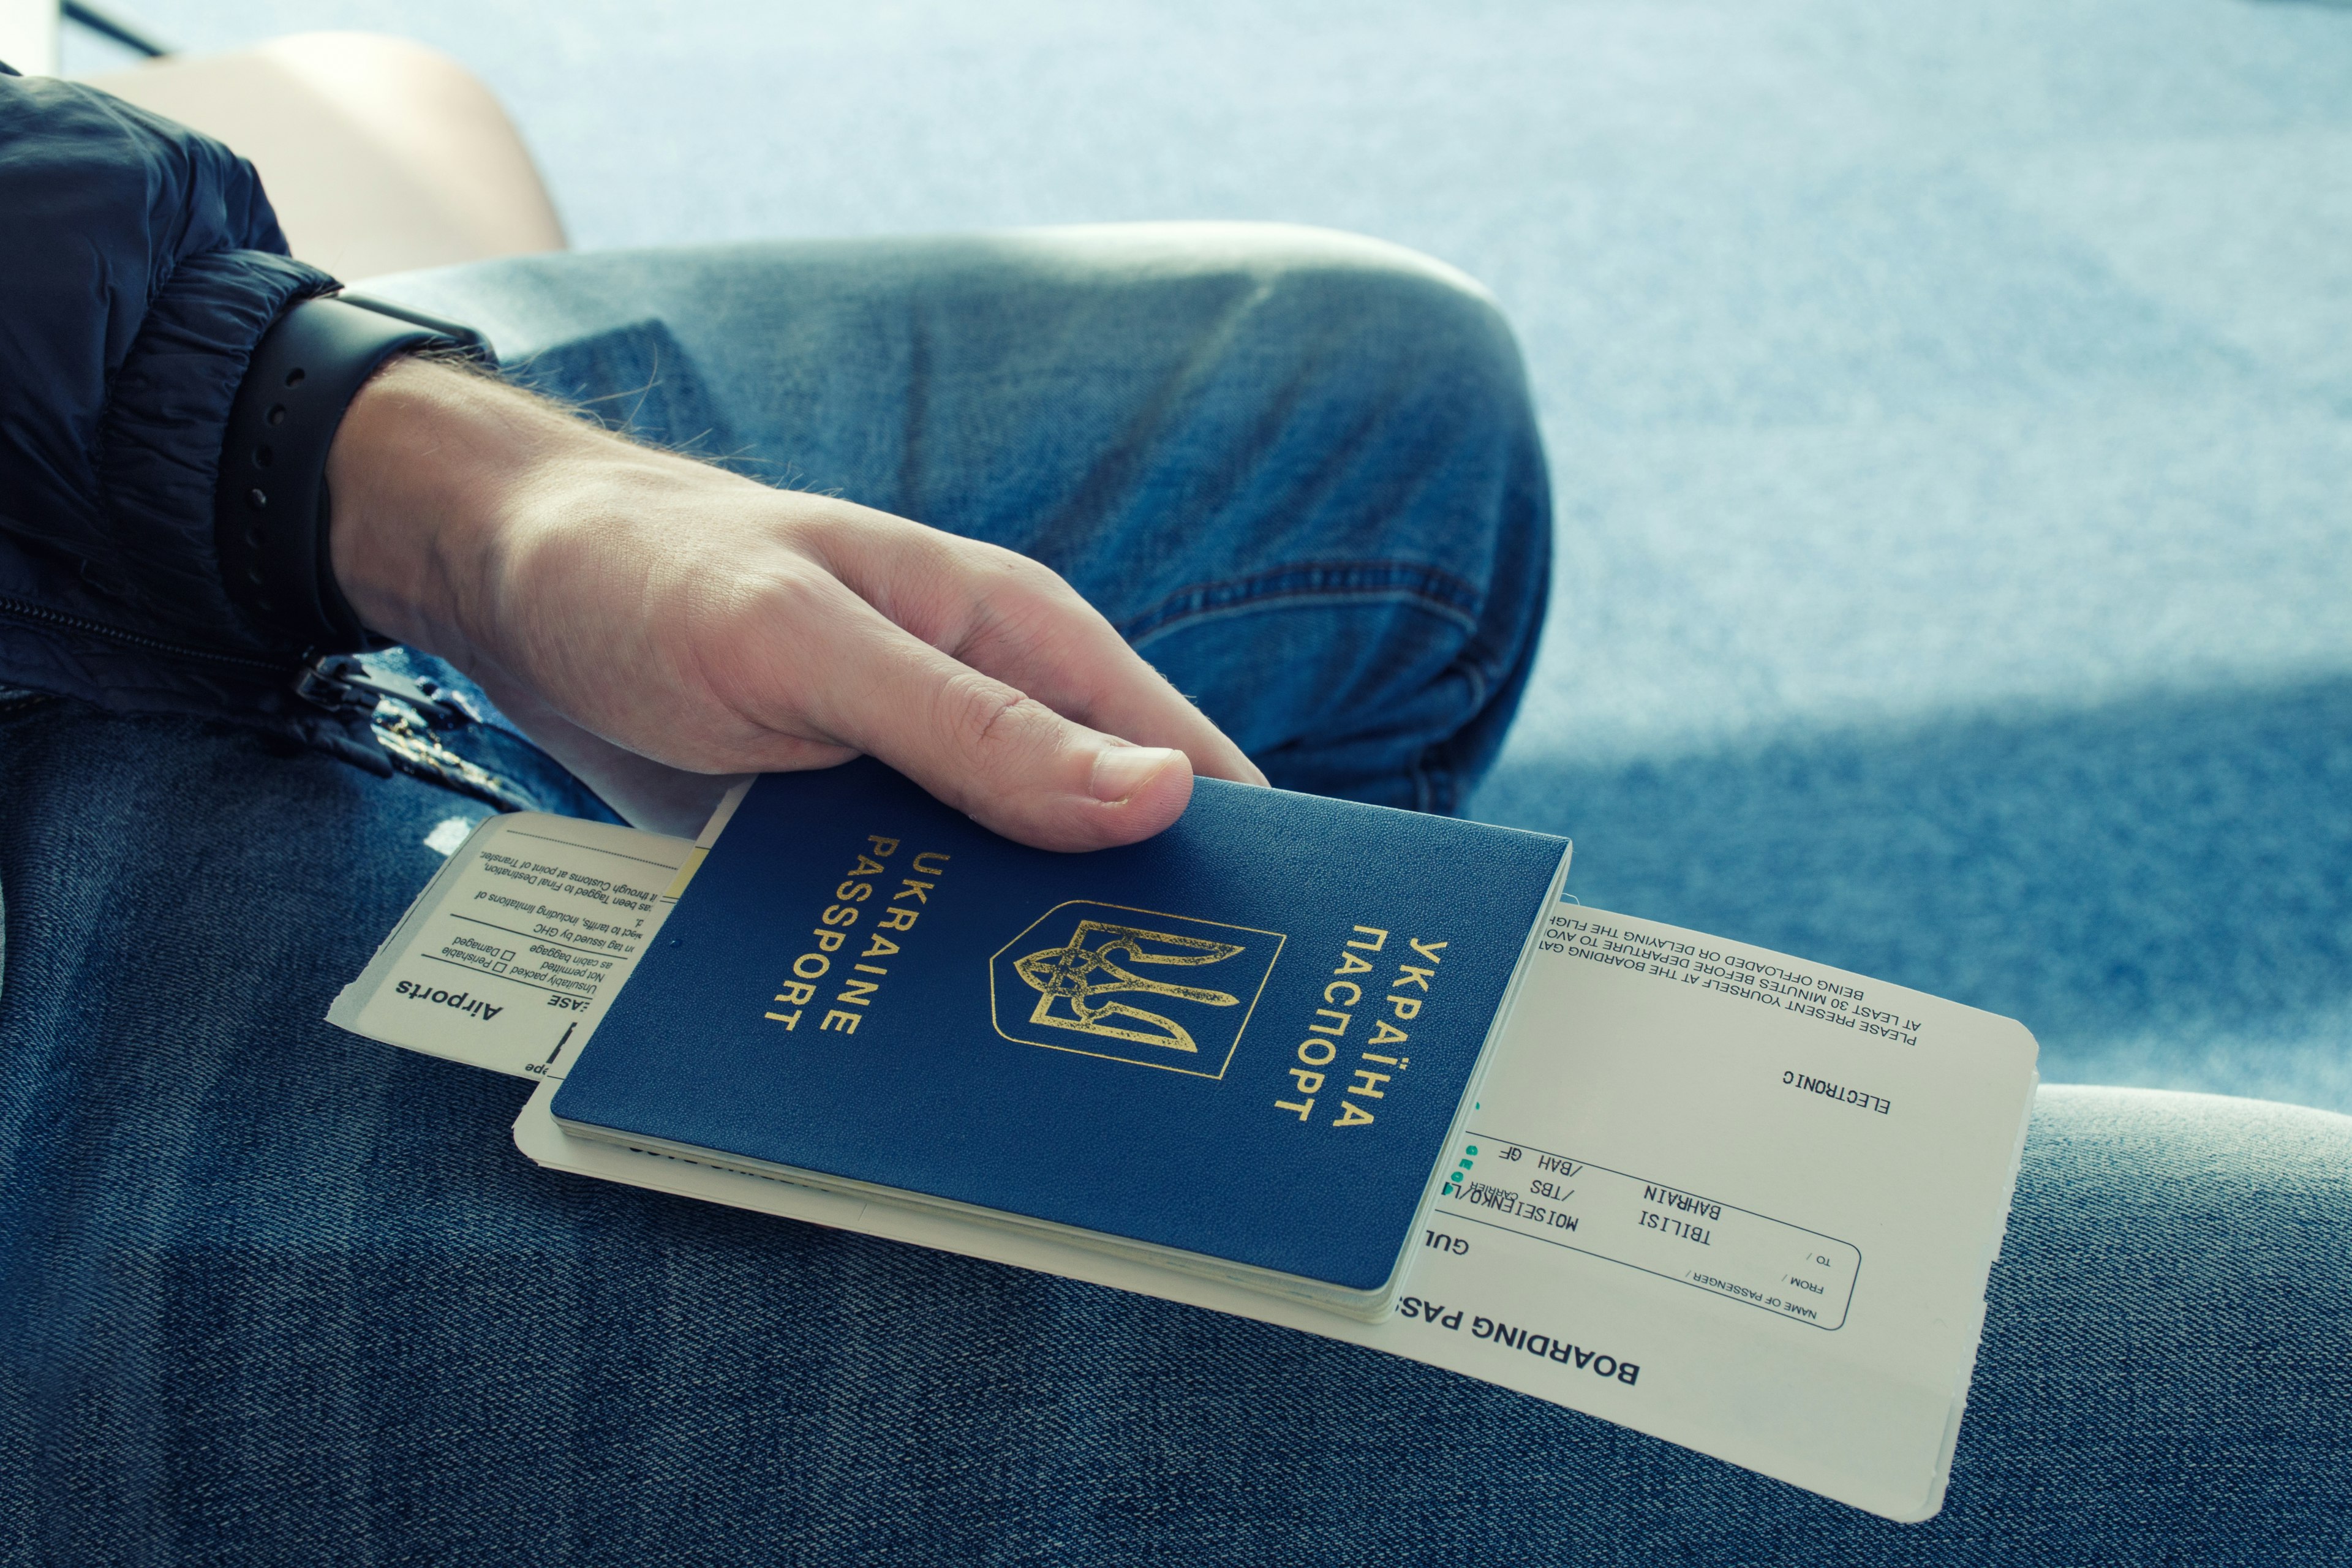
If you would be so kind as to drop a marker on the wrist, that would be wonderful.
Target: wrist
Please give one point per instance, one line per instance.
(271, 512)
(431, 466)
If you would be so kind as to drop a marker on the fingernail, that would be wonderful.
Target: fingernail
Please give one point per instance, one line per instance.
(1120, 771)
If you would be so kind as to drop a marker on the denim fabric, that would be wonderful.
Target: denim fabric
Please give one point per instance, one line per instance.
(271, 1293)
(1299, 470)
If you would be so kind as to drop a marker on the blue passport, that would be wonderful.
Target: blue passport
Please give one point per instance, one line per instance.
(1240, 1047)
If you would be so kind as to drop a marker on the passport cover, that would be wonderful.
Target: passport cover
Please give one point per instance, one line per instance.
(1247, 1039)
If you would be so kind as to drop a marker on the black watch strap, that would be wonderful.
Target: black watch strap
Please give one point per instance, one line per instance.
(271, 514)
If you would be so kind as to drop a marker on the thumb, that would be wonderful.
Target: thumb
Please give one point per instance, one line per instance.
(1002, 758)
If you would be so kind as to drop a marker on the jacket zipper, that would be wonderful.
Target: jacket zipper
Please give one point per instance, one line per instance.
(41, 615)
(328, 680)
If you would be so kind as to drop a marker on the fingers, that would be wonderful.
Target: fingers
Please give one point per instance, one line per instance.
(994, 752)
(811, 628)
(1012, 619)
(1059, 649)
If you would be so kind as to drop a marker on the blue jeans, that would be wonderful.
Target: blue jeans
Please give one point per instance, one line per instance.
(273, 1293)
(1297, 470)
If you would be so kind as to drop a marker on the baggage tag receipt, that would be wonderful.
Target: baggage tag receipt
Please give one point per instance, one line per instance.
(510, 956)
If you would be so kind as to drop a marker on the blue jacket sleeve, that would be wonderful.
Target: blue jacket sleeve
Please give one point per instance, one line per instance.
(140, 264)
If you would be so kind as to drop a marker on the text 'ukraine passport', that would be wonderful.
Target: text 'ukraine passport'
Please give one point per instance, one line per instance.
(1241, 1047)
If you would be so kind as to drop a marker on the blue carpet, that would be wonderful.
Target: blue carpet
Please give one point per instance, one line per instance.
(1952, 414)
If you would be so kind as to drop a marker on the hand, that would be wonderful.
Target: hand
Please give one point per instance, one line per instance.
(658, 624)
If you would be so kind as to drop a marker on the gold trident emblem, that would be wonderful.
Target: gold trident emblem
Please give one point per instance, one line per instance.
(1078, 973)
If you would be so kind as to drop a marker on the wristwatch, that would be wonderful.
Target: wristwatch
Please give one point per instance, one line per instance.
(271, 514)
